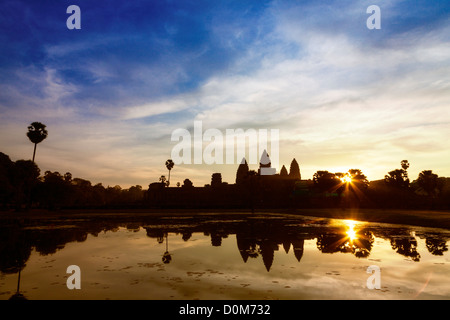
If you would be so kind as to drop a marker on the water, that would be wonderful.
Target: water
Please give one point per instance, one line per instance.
(222, 257)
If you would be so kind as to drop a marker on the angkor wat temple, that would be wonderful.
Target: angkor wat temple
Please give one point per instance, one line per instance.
(252, 189)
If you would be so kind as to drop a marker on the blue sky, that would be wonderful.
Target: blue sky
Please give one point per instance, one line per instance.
(111, 94)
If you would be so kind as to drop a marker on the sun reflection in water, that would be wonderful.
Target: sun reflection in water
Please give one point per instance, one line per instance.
(351, 232)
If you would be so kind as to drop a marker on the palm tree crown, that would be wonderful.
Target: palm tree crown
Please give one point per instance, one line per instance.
(169, 166)
(37, 132)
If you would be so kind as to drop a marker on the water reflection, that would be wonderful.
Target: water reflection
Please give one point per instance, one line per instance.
(167, 256)
(406, 245)
(18, 295)
(437, 246)
(257, 237)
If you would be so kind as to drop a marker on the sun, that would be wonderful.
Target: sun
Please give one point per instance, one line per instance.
(346, 179)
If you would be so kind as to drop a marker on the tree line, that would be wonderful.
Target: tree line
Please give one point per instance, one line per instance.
(396, 190)
(22, 186)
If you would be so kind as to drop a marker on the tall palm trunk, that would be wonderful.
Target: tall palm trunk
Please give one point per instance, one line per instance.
(34, 152)
(30, 194)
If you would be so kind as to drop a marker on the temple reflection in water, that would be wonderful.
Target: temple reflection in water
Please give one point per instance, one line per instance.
(256, 237)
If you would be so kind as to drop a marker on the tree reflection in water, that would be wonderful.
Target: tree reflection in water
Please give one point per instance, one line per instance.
(436, 246)
(257, 237)
(18, 295)
(406, 246)
(167, 257)
(348, 239)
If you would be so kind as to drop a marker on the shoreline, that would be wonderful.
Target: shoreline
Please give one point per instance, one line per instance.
(422, 218)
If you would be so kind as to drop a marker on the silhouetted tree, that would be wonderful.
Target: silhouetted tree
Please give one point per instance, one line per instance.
(428, 181)
(56, 189)
(294, 170)
(26, 174)
(114, 195)
(395, 178)
(36, 133)
(82, 192)
(341, 187)
(325, 181)
(405, 165)
(134, 194)
(68, 177)
(163, 180)
(6, 179)
(169, 166)
(358, 178)
(187, 183)
(398, 177)
(283, 171)
(99, 194)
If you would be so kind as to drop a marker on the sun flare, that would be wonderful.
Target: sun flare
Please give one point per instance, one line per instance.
(351, 232)
(346, 179)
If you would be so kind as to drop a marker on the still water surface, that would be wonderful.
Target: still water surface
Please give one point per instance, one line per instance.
(223, 257)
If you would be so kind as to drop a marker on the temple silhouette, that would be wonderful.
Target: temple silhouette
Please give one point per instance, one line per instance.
(252, 189)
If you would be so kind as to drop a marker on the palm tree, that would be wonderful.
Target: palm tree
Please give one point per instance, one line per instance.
(36, 133)
(169, 166)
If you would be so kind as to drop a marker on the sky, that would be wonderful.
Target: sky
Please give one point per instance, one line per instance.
(342, 96)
